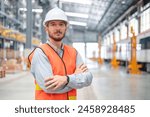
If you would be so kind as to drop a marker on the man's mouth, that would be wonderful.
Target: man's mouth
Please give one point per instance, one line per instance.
(58, 33)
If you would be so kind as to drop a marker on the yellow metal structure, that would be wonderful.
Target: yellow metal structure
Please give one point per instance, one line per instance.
(133, 67)
(100, 60)
(13, 34)
(114, 62)
(20, 37)
(6, 33)
(36, 41)
(1, 29)
(94, 58)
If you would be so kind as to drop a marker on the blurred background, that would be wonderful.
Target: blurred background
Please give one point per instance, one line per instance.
(112, 36)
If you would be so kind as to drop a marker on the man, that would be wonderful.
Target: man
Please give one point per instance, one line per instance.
(58, 68)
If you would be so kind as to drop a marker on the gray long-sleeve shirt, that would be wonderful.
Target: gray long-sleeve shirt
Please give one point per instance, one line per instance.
(42, 69)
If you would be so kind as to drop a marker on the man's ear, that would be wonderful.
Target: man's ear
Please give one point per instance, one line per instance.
(46, 30)
(67, 26)
(66, 29)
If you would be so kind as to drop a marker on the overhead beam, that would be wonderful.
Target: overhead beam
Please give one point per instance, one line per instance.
(85, 36)
(121, 18)
(10, 18)
(110, 4)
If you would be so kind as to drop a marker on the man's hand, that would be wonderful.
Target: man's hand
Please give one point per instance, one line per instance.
(81, 68)
(55, 82)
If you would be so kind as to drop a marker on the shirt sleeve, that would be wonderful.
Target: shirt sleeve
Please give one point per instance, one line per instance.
(78, 59)
(81, 80)
(41, 69)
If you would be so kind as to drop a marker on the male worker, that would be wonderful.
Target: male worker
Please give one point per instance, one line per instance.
(57, 68)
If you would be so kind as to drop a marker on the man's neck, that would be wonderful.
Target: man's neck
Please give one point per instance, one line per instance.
(56, 43)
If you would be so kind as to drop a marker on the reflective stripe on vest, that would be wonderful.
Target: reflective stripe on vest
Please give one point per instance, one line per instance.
(60, 66)
(37, 87)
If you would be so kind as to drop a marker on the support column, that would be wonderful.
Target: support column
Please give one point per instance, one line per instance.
(17, 14)
(29, 25)
(133, 67)
(17, 9)
(114, 62)
(127, 25)
(100, 60)
(2, 6)
(4, 50)
(119, 33)
(139, 19)
(15, 48)
(45, 8)
(3, 19)
(85, 50)
(85, 46)
(2, 22)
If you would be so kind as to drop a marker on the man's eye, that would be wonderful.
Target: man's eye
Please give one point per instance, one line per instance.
(52, 24)
(61, 24)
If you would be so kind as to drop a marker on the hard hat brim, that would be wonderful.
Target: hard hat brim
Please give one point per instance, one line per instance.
(45, 22)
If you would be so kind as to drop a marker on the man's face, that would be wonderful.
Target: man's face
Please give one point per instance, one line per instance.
(56, 29)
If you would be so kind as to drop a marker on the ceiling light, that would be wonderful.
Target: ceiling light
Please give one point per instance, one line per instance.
(81, 15)
(77, 23)
(87, 2)
(33, 10)
(37, 10)
(123, 2)
(22, 9)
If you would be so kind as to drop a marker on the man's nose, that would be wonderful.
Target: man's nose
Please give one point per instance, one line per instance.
(57, 27)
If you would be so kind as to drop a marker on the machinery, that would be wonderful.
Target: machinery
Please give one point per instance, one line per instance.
(100, 60)
(123, 52)
(133, 67)
(114, 61)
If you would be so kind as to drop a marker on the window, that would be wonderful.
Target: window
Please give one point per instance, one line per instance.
(80, 47)
(123, 31)
(92, 50)
(145, 19)
(145, 43)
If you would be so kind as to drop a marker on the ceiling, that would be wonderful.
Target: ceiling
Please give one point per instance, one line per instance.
(87, 18)
(100, 14)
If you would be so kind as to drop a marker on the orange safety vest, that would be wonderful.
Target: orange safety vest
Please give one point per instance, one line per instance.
(60, 66)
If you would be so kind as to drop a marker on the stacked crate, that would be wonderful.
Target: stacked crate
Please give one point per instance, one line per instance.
(2, 73)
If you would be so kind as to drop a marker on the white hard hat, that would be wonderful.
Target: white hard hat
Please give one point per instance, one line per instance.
(55, 14)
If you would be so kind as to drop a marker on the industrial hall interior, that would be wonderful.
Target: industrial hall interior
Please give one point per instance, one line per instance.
(111, 39)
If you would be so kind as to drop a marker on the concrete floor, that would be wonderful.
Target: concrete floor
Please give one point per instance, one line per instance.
(18, 86)
(108, 84)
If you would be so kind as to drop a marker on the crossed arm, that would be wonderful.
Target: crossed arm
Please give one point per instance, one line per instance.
(42, 71)
(56, 82)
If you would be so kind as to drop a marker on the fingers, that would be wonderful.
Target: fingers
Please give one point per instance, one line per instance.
(49, 82)
(55, 82)
(55, 87)
(83, 67)
(48, 79)
(52, 86)
(80, 65)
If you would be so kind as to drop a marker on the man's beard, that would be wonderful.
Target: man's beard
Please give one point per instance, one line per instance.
(57, 38)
